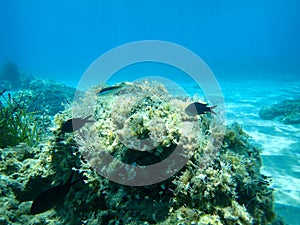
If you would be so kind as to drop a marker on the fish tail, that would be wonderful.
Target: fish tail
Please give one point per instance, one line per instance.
(2, 92)
(86, 119)
(75, 181)
(69, 181)
(211, 109)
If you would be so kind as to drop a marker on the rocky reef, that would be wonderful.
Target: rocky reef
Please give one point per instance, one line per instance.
(12, 78)
(211, 175)
(287, 112)
(46, 96)
(43, 96)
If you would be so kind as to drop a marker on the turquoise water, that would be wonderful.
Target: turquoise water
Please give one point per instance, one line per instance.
(280, 143)
(251, 47)
(60, 40)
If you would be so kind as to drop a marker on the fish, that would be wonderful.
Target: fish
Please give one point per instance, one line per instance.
(74, 124)
(2, 92)
(197, 108)
(49, 198)
(109, 89)
(2, 106)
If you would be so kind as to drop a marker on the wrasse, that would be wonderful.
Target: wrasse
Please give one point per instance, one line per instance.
(110, 89)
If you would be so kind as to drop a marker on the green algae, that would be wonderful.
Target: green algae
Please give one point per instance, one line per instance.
(216, 185)
(231, 188)
(18, 123)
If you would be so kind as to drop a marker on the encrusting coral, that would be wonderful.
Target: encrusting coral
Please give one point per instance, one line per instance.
(141, 125)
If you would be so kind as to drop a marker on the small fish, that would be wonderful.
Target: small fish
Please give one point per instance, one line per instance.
(74, 124)
(198, 108)
(2, 92)
(109, 89)
(51, 197)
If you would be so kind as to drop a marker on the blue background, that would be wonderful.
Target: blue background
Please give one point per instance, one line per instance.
(60, 39)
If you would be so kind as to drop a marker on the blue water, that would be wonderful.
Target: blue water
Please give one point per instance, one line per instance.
(60, 39)
(252, 47)
(280, 143)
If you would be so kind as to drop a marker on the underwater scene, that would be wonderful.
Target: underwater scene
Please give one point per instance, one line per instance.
(150, 112)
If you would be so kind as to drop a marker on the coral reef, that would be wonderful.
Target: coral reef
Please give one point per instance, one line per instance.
(140, 125)
(287, 112)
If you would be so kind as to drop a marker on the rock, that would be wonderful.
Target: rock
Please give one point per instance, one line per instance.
(47, 96)
(287, 112)
(4, 220)
(220, 181)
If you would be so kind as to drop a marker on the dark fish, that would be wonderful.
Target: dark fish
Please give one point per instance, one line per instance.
(74, 124)
(198, 108)
(51, 197)
(109, 89)
(2, 92)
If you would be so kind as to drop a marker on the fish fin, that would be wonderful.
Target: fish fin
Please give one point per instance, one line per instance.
(2, 92)
(69, 181)
(75, 181)
(86, 119)
(211, 109)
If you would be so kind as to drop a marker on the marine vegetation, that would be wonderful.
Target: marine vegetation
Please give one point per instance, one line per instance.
(231, 190)
(19, 124)
(219, 183)
(287, 112)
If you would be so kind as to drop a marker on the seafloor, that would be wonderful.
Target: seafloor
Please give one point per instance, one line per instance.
(280, 142)
(232, 188)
